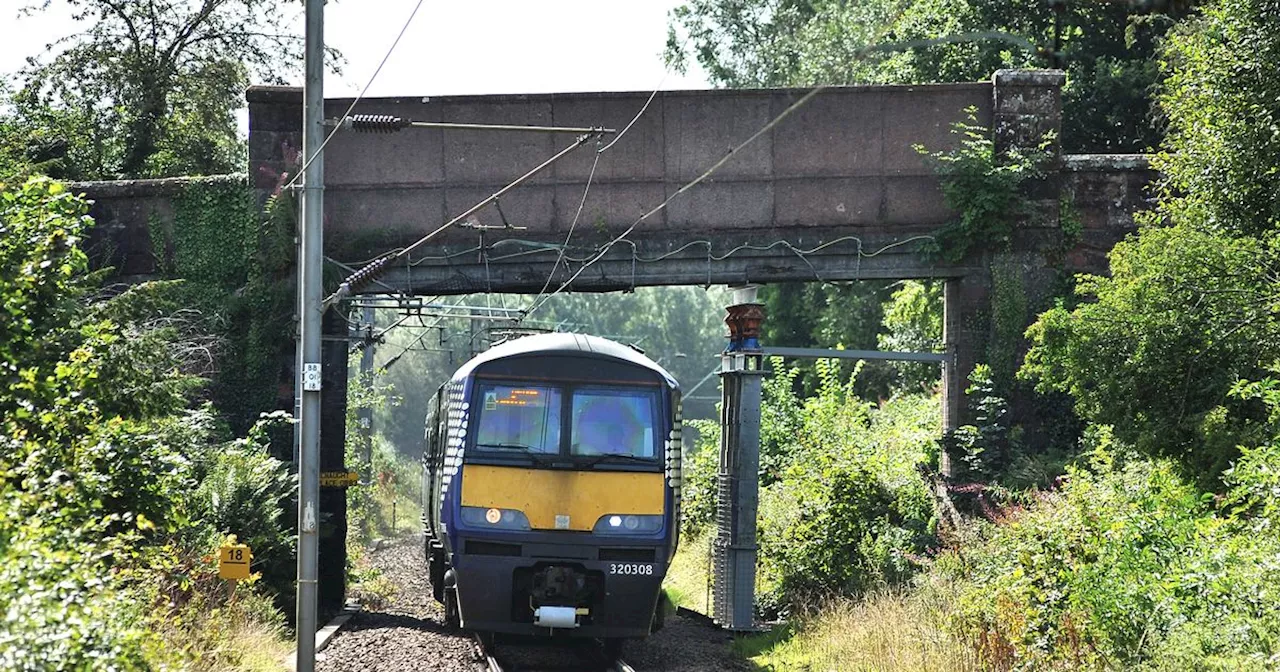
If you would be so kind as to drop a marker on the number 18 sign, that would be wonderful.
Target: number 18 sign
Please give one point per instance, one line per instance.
(233, 562)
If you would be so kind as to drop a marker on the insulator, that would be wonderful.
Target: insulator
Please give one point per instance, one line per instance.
(363, 276)
(377, 123)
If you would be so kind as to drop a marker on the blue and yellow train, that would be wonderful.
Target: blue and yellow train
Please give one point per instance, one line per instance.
(551, 489)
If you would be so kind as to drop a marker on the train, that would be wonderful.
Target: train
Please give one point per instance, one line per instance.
(551, 489)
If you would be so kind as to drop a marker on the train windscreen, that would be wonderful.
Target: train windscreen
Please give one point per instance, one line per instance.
(524, 418)
(614, 421)
(602, 420)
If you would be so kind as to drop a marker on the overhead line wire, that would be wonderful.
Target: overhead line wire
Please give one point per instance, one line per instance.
(601, 150)
(572, 225)
(358, 98)
(689, 185)
(865, 51)
(370, 271)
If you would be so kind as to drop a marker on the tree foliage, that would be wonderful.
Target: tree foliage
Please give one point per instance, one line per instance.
(1189, 307)
(149, 88)
(842, 505)
(1107, 49)
(913, 323)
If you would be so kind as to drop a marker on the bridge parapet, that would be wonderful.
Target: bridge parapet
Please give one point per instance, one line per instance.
(843, 165)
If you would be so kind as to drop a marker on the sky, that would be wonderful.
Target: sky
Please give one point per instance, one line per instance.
(452, 47)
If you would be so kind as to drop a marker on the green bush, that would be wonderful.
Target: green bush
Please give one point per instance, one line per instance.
(244, 492)
(102, 459)
(1188, 307)
(1128, 566)
(984, 188)
(851, 511)
(842, 505)
(61, 609)
(701, 485)
(1184, 314)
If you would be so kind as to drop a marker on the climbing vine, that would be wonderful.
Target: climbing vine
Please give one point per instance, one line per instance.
(989, 193)
(1009, 319)
(234, 260)
(985, 189)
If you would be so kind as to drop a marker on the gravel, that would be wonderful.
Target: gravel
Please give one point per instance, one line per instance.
(684, 645)
(409, 634)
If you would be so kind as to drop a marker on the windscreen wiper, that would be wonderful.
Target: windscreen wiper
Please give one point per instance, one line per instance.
(625, 457)
(506, 446)
(537, 457)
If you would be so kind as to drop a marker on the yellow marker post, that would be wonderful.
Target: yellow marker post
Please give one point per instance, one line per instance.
(338, 479)
(233, 560)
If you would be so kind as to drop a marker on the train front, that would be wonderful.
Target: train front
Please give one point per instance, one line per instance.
(567, 515)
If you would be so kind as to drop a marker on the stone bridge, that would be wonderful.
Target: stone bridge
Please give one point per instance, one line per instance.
(835, 192)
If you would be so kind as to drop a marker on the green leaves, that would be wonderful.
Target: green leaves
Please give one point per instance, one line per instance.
(1184, 315)
(985, 190)
(1128, 566)
(148, 89)
(100, 453)
(1107, 49)
(1190, 306)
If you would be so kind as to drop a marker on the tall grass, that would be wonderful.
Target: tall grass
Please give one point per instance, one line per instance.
(890, 630)
(686, 582)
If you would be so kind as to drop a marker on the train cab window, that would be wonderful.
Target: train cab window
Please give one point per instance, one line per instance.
(524, 418)
(610, 421)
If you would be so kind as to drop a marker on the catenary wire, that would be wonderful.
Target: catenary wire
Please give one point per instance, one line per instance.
(601, 150)
(569, 236)
(403, 29)
(689, 185)
(889, 47)
(376, 267)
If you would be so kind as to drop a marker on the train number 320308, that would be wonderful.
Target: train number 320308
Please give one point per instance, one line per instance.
(630, 569)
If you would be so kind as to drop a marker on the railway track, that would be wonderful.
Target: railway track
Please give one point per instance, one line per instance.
(488, 653)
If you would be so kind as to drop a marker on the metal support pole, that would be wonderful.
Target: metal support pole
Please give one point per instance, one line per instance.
(310, 300)
(471, 337)
(741, 372)
(365, 415)
(953, 381)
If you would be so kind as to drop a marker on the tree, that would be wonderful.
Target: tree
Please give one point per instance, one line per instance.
(150, 87)
(913, 323)
(829, 315)
(1190, 306)
(1107, 49)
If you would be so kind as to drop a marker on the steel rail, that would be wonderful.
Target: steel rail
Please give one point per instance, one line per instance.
(491, 663)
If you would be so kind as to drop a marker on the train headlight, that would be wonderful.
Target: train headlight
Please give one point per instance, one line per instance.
(628, 524)
(494, 518)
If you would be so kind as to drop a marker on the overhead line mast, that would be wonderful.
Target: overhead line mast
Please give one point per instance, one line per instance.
(310, 316)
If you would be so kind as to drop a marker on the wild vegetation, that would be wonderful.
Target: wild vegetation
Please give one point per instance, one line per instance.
(144, 89)
(118, 484)
(131, 443)
(1150, 543)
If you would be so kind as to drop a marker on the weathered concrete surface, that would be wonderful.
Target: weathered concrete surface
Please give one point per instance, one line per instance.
(841, 175)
